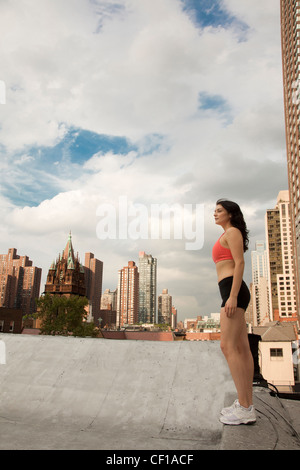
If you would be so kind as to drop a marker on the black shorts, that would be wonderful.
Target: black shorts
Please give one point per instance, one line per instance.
(243, 295)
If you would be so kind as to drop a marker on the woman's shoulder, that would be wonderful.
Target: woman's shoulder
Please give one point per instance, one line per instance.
(233, 230)
(233, 233)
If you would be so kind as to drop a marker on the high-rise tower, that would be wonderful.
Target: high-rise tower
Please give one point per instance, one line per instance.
(93, 269)
(128, 295)
(147, 289)
(290, 43)
(280, 260)
(260, 285)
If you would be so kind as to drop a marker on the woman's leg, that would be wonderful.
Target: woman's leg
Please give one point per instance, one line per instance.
(236, 349)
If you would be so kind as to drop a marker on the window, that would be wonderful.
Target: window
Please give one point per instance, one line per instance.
(276, 352)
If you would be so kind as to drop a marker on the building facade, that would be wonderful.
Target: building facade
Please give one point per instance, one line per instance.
(93, 269)
(260, 286)
(165, 307)
(276, 354)
(109, 300)
(108, 309)
(290, 43)
(174, 317)
(19, 282)
(11, 320)
(147, 288)
(66, 276)
(282, 292)
(128, 295)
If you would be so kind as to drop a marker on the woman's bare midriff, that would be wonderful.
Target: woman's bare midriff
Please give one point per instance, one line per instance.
(224, 269)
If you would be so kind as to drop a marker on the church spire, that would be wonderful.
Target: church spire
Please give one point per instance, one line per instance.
(68, 253)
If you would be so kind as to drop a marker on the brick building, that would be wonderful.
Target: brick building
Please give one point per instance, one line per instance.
(67, 276)
(11, 320)
(128, 295)
(164, 307)
(93, 269)
(106, 318)
(19, 282)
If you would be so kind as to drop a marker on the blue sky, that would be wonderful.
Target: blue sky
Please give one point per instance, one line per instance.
(212, 13)
(48, 166)
(62, 160)
(216, 104)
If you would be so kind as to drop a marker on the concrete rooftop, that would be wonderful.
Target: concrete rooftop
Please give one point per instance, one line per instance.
(84, 393)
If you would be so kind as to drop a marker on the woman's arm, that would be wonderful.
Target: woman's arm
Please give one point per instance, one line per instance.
(234, 240)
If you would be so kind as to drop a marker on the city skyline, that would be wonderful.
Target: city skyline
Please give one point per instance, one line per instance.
(164, 102)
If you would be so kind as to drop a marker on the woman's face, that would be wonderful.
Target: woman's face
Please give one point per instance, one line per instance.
(222, 217)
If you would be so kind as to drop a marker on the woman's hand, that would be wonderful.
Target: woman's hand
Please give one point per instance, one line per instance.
(231, 306)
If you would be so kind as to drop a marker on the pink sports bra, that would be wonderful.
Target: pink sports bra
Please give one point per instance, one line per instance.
(220, 253)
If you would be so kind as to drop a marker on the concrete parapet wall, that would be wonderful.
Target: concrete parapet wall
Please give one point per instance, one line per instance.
(97, 393)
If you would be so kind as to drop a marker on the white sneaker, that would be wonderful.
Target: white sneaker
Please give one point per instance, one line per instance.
(239, 415)
(228, 409)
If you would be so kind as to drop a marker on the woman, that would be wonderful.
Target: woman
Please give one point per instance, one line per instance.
(228, 255)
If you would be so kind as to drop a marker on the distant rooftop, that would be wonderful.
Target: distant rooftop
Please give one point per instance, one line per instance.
(277, 331)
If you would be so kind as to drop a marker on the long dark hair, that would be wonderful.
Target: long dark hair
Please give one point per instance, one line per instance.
(237, 218)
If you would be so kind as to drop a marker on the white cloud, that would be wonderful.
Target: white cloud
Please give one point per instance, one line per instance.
(24, 159)
(136, 69)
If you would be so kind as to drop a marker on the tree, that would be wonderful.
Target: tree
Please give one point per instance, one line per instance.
(62, 315)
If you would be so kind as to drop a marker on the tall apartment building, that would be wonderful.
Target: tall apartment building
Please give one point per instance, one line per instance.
(128, 295)
(165, 307)
(19, 282)
(280, 260)
(147, 289)
(93, 269)
(260, 285)
(290, 43)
